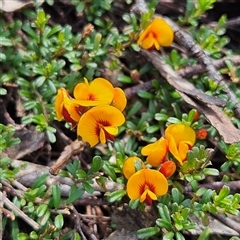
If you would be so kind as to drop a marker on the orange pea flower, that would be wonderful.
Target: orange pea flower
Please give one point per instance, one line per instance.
(129, 166)
(180, 138)
(66, 108)
(99, 90)
(147, 185)
(156, 152)
(119, 99)
(100, 124)
(158, 33)
(168, 168)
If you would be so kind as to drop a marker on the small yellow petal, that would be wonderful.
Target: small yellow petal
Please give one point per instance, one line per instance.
(183, 149)
(102, 136)
(156, 152)
(119, 99)
(158, 33)
(101, 90)
(129, 166)
(111, 130)
(181, 132)
(59, 103)
(81, 91)
(173, 147)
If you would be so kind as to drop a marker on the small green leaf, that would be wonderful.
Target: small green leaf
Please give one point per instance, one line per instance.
(153, 128)
(179, 236)
(59, 221)
(22, 236)
(88, 188)
(147, 232)
(124, 79)
(74, 194)
(168, 236)
(40, 181)
(177, 196)
(211, 171)
(133, 204)
(205, 234)
(145, 94)
(96, 165)
(56, 194)
(116, 195)
(33, 235)
(3, 91)
(134, 109)
(44, 219)
(76, 236)
(110, 171)
(164, 224)
(164, 213)
(41, 210)
(224, 192)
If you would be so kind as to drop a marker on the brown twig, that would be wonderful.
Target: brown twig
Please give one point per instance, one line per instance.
(77, 221)
(185, 73)
(19, 213)
(32, 171)
(69, 151)
(186, 40)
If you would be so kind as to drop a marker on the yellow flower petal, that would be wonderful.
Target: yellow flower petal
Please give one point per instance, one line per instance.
(158, 33)
(173, 148)
(111, 130)
(144, 179)
(180, 138)
(91, 125)
(129, 166)
(183, 149)
(181, 132)
(102, 90)
(119, 99)
(65, 107)
(81, 91)
(99, 90)
(59, 103)
(156, 152)
(102, 136)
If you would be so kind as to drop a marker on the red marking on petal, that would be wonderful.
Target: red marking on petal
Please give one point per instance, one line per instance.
(66, 116)
(148, 200)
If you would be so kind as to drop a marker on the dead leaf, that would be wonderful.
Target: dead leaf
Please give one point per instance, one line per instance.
(179, 83)
(217, 118)
(206, 104)
(14, 5)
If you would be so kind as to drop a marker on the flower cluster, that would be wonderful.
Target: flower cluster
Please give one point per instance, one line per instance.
(148, 184)
(96, 109)
(158, 33)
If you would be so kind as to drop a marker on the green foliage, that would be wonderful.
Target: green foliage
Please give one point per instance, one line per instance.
(194, 10)
(46, 56)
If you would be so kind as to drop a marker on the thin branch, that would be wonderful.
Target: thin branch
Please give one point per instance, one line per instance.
(186, 40)
(185, 73)
(20, 213)
(32, 171)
